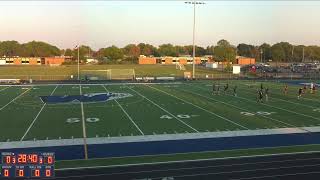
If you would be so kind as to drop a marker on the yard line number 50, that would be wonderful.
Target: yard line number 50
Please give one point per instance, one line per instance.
(76, 120)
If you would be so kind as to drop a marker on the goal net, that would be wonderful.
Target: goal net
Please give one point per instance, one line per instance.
(109, 74)
(180, 67)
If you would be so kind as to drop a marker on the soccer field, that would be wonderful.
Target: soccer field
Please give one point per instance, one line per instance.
(151, 109)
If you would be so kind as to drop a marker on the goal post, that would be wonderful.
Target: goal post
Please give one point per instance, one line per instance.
(110, 74)
(122, 74)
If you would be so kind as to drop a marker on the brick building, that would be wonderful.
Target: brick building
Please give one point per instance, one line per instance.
(31, 60)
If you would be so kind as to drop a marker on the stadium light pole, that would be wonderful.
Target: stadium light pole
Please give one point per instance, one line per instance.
(193, 38)
(78, 62)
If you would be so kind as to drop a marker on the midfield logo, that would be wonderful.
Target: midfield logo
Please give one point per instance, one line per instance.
(92, 97)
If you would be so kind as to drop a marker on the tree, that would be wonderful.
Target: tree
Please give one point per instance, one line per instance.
(10, 48)
(39, 49)
(266, 52)
(246, 50)
(112, 53)
(200, 51)
(148, 50)
(68, 52)
(132, 50)
(278, 53)
(224, 51)
(167, 50)
(210, 50)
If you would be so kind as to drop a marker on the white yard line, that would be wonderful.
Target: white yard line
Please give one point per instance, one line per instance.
(4, 88)
(301, 114)
(280, 108)
(14, 99)
(125, 112)
(226, 119)
(34, 120)
(165, 111)
(288, 124)
(300, 104)
(84, 131)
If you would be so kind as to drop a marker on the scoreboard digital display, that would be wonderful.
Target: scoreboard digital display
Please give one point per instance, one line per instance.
(27, 165)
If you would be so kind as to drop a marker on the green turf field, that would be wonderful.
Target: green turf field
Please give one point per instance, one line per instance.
(152, 109)
(65, 71)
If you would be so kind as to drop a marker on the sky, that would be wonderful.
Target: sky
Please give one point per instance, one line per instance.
(103, 23)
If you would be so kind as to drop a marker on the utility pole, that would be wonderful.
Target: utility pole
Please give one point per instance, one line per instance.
(193, 38)
(78, 62)
(303, 54)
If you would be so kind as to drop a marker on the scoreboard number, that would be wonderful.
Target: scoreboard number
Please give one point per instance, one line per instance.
(48, 173)
(26, 165)
(6, 172)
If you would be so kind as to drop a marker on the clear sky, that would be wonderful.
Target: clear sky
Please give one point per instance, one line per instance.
(104, 23)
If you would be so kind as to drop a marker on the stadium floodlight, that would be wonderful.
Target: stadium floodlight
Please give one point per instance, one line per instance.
(193, 39)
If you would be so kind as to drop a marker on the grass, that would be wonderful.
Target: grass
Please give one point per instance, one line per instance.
(155, 109)
(64, 72)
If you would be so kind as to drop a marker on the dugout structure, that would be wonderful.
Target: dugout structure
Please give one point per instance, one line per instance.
(109, 74)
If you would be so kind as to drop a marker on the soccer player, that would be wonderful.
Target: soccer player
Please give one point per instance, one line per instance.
(213, 89)
(300, 93)
(311, 87)
(226, 87)
(218, 89)
(261, 86)
(260, 96)
(235, 91)
(266, 94)
(314, 88)
(304, 89)
(285, 90)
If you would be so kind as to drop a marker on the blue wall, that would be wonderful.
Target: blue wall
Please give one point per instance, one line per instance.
(176, 146)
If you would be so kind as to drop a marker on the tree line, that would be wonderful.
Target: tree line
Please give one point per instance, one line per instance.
(223, 50)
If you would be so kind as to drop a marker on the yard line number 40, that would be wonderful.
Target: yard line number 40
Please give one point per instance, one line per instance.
(181, 116)
(262, 113)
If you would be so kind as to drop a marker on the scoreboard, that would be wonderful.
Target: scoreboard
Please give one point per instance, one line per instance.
(27, 165)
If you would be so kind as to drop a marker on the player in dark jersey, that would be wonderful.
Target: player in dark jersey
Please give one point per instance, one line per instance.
(285, 90)
(235, 91)
(304, 89)
(300, 93)
(261, 86)
(260, 96)
(213, 89)
(226, 87)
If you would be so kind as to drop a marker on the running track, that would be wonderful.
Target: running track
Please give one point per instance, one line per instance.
(286, 166)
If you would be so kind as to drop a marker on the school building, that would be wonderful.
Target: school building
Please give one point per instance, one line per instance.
(55, 61)
(174, 60)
